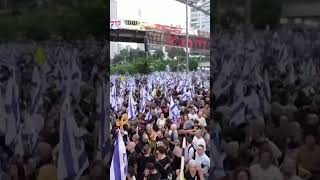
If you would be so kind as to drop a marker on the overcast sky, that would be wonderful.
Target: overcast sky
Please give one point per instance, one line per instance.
(165, 12)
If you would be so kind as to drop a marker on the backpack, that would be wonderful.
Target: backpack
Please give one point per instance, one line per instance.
(194, 151)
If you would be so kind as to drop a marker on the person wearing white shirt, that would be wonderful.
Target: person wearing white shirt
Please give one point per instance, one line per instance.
(265, 170)
(202, 160)
(189, 150)
(198, 140)
(201, 119)
(161, 122)
(193, 115)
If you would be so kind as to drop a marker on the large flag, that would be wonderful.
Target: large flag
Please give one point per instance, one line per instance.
(41, 56)
(72, 159)
(142, 108)
(75, 73)
(13, 117)
(132, 111)
(119, 164)
(174, 112)
(12, 111)
(113, 98)
(34, 122)
(2, 118)
(148, 116)
(102, 123)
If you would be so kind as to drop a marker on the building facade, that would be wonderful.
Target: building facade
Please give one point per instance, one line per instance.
(305, 12)
(199, 20)
(114, 46)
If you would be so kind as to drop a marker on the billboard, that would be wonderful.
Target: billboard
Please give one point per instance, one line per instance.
(125, 24)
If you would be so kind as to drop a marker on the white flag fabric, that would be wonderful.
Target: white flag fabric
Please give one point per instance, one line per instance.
(13, 117)
(102, 122)
(72, 159)
(35, 122)
(12, 111)
(75, 77)
(132, 110)
(119, 164)
(174, 112)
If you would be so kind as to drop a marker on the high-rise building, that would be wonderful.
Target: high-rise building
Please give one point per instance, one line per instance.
(199, 20)
(113, 9)
(114, 46)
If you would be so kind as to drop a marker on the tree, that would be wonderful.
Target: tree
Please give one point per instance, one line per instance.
(142, 66)
(160, 66)
(193, 65)
(158, 54)
(175, 52)
(173, 66)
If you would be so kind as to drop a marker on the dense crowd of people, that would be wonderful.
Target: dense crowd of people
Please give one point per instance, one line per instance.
(264, 124)
(266, 104)
(167, 107)
(33, 76)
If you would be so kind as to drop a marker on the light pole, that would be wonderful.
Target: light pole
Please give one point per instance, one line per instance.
(187, 35)
(187, 31)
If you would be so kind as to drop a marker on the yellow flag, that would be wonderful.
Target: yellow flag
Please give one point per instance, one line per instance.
(40, 56)
(122, 78)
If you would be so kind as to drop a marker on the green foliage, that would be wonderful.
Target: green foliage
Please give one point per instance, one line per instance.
(175, 52)
(266, 12)
(129, 56)
(142, 66)
(159, 66)
(135, 61)
(158, 54)
(193, 65)
(174, 66)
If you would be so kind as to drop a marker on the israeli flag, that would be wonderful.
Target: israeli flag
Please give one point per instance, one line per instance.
(143, 101)
(102, 121)
(132, 112)
(148, 116)
(12, 111)
(72, 159)
(119, 164)
(35, 122)
(174, 112)
(75, 76)
(13, 117)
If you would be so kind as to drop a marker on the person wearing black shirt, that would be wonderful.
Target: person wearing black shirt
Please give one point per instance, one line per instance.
(132, 156)
(162, 162)
(151, 173)
(139, 146)
(143, 160)
(193, 172)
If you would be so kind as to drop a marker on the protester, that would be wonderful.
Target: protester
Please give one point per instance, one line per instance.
(265, 91)
(36, 81)
(161, 109)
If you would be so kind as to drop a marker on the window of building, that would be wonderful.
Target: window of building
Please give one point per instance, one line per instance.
(194, 19)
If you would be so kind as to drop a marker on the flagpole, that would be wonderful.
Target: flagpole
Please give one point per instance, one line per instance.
(181, 177)
(187, 35)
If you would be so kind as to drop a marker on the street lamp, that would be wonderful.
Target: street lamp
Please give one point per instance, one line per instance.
(187, 30)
